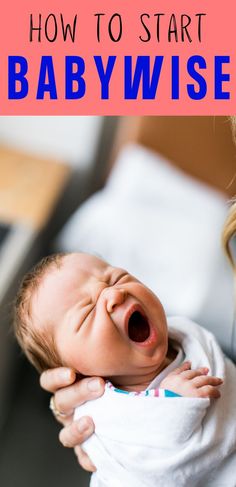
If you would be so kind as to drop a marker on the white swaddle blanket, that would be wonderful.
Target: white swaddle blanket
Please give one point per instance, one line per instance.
(172, 442)
(165, 228)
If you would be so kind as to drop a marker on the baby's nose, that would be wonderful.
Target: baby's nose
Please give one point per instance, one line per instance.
(114, 297)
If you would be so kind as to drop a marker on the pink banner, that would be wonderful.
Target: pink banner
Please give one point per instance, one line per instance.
(118, 57)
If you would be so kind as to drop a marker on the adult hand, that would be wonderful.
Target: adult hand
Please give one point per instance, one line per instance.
(68, 394)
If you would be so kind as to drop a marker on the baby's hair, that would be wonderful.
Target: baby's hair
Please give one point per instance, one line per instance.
(38, 347)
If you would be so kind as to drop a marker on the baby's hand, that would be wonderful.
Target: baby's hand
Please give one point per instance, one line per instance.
(192, 383)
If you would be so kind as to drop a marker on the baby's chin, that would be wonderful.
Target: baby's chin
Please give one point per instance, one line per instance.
(132, 387)
(135, 383)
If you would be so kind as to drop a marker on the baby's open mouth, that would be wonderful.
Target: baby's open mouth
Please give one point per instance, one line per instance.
(138, 327)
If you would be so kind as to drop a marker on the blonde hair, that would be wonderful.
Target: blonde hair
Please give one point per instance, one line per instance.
(38, 347)
(230, 224)
(228, 232)
(233, 125)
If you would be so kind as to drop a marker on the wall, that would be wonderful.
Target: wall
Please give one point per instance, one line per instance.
(70, 139)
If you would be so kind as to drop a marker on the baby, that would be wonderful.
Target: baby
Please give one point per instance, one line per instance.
(77, 311)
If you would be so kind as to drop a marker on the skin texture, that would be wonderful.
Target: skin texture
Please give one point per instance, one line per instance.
(61, 381)
(68, 395)
(84, 305)
(192, 383)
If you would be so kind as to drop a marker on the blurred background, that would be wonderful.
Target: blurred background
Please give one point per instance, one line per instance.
(146, 193)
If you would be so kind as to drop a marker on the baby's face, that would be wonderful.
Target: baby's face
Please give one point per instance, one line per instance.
(104, 321)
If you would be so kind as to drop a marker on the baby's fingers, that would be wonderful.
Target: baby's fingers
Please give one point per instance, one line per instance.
(191, 374)
(182, 368)
(209, 391)
(205, 380)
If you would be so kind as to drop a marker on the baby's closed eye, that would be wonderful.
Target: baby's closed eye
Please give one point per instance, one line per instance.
(117, 278)
(83, 315)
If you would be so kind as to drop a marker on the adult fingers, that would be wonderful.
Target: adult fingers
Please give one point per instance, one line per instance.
(77, 432)
(64, 420)
(53, 379)
(67, 399)
(84, 460)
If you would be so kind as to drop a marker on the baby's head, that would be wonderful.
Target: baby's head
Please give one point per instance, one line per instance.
(39, 347)
(78, 311)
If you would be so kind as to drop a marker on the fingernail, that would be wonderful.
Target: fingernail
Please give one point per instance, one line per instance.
(187, 363)
(65, 374)
(94, 385)
(83, 425)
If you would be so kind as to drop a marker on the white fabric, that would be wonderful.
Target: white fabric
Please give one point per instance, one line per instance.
(165, 228)
(173, 365)
(148, 441)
